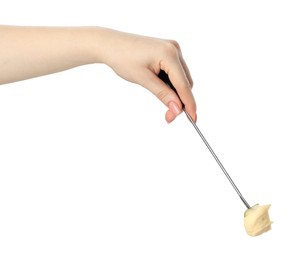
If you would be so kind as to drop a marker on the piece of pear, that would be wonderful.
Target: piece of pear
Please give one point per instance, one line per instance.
(257, 220)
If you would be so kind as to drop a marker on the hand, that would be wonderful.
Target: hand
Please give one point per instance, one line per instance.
(139, 59)
(29, 52)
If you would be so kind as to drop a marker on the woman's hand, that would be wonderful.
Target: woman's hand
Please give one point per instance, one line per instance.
(27, 52)
(139, 59)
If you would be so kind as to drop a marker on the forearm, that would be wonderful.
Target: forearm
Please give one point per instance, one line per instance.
(27, 52)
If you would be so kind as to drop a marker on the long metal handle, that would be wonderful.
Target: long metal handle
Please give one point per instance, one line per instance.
(163, 76)
(217, 160)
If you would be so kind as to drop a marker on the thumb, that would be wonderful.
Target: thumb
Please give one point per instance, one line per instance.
(165, 94)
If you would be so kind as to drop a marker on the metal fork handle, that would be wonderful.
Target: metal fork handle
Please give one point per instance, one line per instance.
(164, 77)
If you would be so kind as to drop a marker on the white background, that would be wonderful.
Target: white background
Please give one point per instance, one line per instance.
(89, 169)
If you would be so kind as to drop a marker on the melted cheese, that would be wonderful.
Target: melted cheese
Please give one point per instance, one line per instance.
(257, 220)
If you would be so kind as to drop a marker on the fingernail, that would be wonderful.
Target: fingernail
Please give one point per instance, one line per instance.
(174, 108)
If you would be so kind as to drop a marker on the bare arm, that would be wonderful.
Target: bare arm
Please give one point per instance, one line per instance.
(27, 52)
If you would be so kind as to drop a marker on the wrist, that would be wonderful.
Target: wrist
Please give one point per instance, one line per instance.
(100, 44)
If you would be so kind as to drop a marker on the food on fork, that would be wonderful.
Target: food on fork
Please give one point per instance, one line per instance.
(257, 220)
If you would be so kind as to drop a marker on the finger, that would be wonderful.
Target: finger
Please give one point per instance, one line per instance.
(182, 85)
(186, 69)
(184, 64)
(170, 116)
(164, 93)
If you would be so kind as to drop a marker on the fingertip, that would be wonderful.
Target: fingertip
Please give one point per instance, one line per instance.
(170, 116)
(194, 117)
(192, 111)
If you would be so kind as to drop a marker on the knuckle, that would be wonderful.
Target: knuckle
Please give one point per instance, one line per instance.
(171, 47)
(190, 85)
(162, 94)
(174, 43)
(186, 85)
